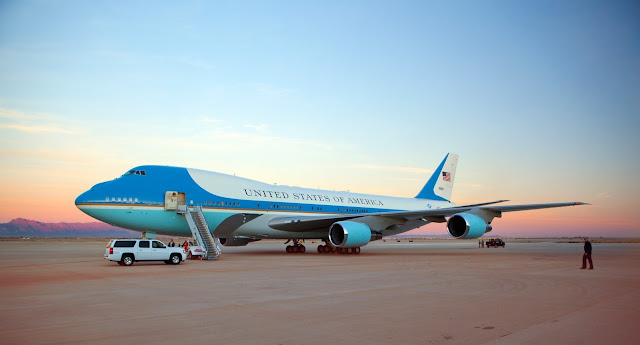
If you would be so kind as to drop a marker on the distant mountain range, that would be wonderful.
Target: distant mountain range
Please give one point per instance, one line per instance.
(31, 228)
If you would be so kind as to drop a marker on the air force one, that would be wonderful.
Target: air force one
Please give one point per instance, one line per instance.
(208, 205)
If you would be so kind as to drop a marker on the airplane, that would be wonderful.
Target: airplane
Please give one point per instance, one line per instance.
(152, 199)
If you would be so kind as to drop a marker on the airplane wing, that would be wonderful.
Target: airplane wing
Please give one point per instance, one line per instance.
(311, 223)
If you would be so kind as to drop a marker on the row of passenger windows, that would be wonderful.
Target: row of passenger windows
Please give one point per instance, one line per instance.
(120, 199)
(285, 207)
(352, 210)
(220, 203)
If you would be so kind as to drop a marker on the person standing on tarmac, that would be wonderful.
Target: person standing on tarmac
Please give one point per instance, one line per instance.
(587, 255)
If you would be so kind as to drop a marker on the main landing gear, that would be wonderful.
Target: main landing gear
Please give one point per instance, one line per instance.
(296, 247)
(325, 249)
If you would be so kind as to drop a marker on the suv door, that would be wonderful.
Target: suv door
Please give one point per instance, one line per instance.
(159, 251)
(144, 250)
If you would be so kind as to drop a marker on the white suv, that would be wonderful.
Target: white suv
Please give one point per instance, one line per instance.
(128, 251)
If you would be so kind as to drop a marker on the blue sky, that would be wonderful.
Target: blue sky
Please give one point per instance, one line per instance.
(541, 99)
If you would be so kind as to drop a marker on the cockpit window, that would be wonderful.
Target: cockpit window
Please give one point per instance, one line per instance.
(135, 172)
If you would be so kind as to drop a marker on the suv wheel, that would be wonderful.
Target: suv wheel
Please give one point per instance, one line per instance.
(127, 260)
(175, 259)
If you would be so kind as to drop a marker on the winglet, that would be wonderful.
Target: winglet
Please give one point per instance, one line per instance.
(440, 185)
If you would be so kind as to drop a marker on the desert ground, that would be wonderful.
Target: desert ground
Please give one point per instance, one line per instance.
(420, 292)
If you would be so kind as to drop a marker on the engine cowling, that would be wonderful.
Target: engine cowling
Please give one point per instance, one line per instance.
(236, 241)
(348, 234)
(467, 225)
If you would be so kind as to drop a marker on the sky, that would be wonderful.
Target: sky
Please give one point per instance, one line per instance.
(541, 100)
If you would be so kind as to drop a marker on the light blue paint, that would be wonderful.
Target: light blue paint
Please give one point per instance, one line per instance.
(160, 221)
(477, 226)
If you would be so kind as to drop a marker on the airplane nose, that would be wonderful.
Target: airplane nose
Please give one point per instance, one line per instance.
(94, 194)
(82, 198)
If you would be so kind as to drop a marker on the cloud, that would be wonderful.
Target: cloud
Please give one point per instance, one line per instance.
(210, 120)
(33, 122)
(35, 129)
(603, 195)
(12, 114)
(50, 155)
(259, 128)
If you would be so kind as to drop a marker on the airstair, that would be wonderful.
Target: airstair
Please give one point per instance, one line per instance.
(201, 233)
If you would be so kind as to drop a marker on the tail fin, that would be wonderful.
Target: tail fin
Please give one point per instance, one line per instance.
(440, 185)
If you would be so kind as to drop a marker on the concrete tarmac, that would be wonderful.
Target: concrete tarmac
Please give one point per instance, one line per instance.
(425, 292)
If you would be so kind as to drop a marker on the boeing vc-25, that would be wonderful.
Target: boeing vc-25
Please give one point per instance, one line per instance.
(182, 201)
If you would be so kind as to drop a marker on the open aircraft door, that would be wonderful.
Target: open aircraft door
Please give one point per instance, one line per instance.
(172, 200)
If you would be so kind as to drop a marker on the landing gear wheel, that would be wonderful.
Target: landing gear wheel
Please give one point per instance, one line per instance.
(321, 249)
(356, 250)
(296, 247)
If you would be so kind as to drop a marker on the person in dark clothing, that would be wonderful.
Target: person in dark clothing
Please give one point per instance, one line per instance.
(587, 255)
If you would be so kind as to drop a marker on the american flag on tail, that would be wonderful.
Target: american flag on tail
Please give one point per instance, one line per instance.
(446, 176)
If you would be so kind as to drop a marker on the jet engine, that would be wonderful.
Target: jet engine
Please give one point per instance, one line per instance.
(236, 241)
(348, 234)
(467, 225)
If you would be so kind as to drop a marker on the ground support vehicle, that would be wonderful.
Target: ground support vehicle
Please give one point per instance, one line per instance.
(494, 243)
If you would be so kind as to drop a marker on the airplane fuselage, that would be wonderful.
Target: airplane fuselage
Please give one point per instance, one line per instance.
(234, 206)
